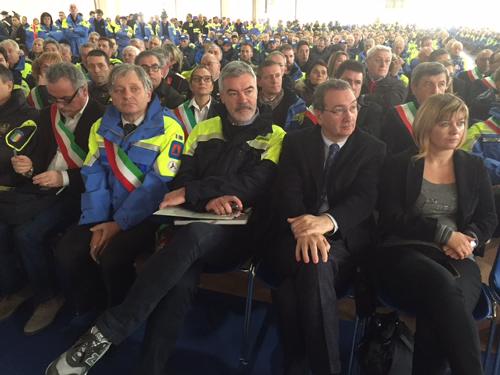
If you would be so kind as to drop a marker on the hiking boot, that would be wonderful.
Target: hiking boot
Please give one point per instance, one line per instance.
(10, 303)
(44, 315)
(82, 355)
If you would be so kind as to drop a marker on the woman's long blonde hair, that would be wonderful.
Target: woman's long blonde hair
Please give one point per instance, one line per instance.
(436, 108)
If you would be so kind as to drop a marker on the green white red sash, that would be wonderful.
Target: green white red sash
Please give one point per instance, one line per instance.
(407, 114)
(124, 169)
(493, 125)
(488, 82)
(311, 116)
(71, 152)
(185, 114)
(474, 74)
(35, 98)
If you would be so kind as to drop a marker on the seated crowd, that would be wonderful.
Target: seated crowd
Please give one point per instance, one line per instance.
(351, 145)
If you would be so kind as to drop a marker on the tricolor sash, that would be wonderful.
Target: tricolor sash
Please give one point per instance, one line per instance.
(35, 98)
(311, 116)
(488, 82)
(124, 169)
(474, 74)
(71, 152)
(407, 114)
(186, 115)
(493, 125)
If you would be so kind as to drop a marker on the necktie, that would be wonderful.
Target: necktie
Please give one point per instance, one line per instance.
(332, 152)
(128, 128)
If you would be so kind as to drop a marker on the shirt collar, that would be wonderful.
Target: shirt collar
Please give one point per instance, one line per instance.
(328, 142)
(193, 103)
(136, 122)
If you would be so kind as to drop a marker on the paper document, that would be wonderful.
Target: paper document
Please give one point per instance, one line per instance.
(186, 216)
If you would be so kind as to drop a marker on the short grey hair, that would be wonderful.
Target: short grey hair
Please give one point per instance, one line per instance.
(131, 48)
(121, 70)
(10, 42)
(156, 52)
(378, 48)
(428, 69)
(322, 89)
(235, 69)
(66, 70)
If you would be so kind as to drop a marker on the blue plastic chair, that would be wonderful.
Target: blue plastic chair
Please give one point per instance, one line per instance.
(494, 290)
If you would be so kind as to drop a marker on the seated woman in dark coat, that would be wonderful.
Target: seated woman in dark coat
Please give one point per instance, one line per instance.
(436, 207)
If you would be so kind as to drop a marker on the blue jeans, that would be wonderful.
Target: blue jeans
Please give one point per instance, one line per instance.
(26, 255)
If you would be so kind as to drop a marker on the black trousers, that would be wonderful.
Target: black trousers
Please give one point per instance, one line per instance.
(83, 279)
(443, 292)
(306, 300)
(163, 290)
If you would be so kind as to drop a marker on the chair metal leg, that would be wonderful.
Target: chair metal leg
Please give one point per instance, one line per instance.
(245, 344)
(359, 325)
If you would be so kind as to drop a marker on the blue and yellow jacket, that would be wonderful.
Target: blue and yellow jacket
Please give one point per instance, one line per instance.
(155, 147)
(52, 32)
(483, 140)
(75, 32)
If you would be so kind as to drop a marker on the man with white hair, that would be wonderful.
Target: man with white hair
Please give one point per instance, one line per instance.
(379, 86)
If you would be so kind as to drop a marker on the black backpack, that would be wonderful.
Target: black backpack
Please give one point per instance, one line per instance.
(386, 347)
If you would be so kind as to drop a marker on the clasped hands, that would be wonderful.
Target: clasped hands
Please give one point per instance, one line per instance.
(49, 179)
(459, 246)
(309, 231)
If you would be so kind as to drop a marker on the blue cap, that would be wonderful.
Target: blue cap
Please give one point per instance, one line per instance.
(184, 37)
(271, 40)
(208, 40)
(226, 41)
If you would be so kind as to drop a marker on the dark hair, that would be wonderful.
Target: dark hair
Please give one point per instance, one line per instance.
(323, 88)
(265, 64)
(98, 53)
(352, 65)
(302, 43)
(6, 74)
(436, 53)
(286, 47)
(316, 63)
(106, 40)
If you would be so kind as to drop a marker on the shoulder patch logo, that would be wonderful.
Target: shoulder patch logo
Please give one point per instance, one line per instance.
(175, 151)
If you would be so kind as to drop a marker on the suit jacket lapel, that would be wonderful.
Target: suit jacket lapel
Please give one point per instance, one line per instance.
(465, 181)
(414, 177)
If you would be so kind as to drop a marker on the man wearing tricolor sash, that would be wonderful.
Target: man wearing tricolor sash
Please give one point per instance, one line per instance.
(427, 79)
(480, 106)
(48, 195)
(481, 69)
(228, 164)
(134, 151)
(201, 106)
(486, 82)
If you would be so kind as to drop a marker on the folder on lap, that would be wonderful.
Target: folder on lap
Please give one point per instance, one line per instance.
(184, 216)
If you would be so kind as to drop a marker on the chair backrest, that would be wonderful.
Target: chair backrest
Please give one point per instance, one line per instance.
(495, 275)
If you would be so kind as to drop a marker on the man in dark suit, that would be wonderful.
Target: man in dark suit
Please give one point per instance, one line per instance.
(325, 194)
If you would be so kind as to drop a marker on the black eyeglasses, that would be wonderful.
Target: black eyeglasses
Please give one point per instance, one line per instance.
(153, 68)
(199, 79)
(66, 100)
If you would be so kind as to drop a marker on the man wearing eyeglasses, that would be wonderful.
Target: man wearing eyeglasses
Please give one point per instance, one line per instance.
(325, 193)
(153, 61)
(52, 172)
